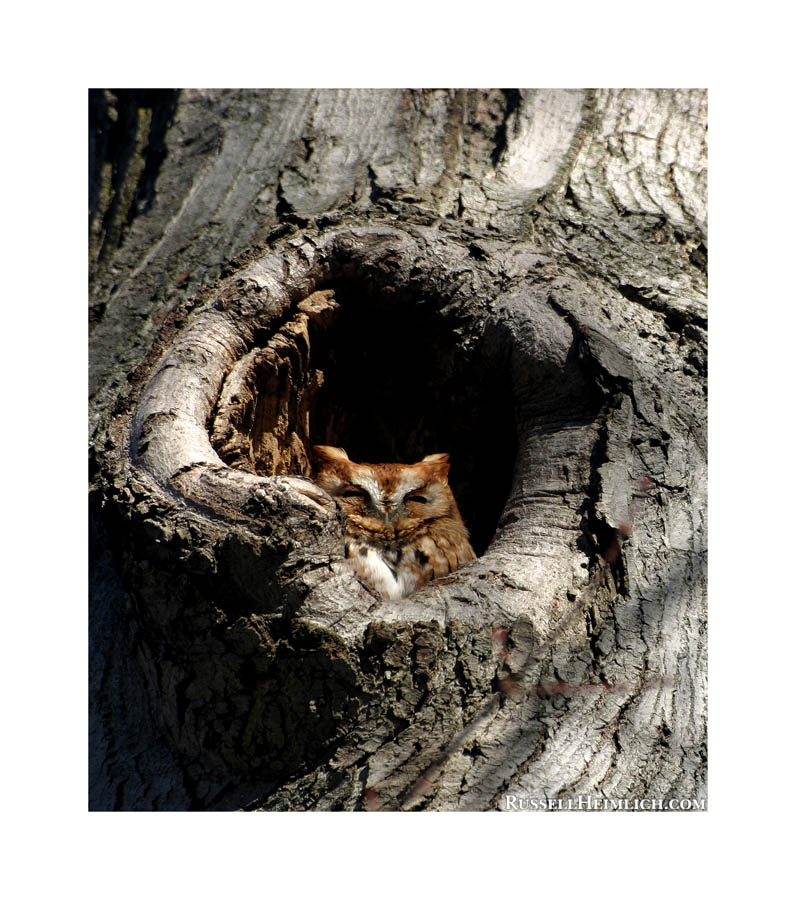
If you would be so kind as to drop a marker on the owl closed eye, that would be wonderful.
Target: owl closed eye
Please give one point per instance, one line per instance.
(403, 527)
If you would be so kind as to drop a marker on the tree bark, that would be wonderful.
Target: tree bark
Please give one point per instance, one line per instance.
(517, 278)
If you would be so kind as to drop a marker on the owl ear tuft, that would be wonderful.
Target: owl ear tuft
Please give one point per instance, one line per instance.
(437, 458)
(438, 464)
(328, 455)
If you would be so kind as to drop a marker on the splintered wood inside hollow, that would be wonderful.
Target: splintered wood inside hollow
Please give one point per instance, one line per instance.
(262, 420)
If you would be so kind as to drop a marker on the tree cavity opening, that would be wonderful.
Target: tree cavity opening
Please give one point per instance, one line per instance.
(389, 374)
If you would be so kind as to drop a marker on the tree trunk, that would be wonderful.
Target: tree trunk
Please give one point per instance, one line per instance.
(517, 278)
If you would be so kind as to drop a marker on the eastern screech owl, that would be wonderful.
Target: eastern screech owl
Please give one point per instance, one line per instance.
(403, 526)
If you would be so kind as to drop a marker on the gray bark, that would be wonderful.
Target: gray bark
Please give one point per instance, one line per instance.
(517, 278)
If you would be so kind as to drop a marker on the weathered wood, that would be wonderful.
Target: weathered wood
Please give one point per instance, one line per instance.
(518, 279)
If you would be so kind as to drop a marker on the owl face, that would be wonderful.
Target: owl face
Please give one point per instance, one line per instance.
(389, 498)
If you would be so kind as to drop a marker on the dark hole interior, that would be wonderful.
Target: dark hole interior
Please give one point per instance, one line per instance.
(403, 378)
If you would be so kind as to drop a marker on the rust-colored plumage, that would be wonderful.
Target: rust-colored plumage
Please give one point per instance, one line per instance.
(403, 526)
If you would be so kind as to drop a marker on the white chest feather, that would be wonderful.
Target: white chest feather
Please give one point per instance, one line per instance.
(370, 565)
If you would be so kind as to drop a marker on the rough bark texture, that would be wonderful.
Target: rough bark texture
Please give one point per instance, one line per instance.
(517, 278)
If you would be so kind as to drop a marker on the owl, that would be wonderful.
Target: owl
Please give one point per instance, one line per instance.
(403, 527)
